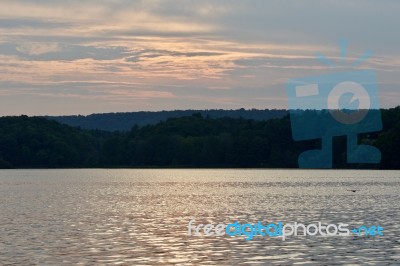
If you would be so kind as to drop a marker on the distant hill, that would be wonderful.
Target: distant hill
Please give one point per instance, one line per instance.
(125, 121)
(190, 141)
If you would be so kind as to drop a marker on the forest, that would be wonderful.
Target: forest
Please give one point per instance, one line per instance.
(125, 121)
(194, 141)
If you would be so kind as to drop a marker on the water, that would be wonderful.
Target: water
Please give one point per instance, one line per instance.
(140, 217)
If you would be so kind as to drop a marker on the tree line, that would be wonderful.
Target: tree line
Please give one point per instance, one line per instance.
(189, 141)
(125, 121)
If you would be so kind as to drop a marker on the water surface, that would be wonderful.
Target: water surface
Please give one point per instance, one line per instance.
(140, 217)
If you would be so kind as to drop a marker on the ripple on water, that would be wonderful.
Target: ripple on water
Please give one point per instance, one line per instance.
(140, 216)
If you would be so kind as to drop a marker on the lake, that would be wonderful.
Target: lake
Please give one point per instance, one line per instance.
(140, 217)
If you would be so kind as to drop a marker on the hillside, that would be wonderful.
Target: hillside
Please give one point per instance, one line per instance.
(125, 121)
(190, 141)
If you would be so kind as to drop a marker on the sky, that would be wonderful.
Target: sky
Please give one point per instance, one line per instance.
(98, 56)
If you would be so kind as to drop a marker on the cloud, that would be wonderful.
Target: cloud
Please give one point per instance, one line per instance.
(181, 54)
(152, 53)
(36, 49)
(42, 51)
(15, 23)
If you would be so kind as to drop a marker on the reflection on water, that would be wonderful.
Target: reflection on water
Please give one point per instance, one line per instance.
(140, 216)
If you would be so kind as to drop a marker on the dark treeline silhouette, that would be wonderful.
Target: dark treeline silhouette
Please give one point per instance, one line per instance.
(190, 141)
(125, 121)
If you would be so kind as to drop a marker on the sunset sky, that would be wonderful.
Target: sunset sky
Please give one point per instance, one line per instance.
(91, 56)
